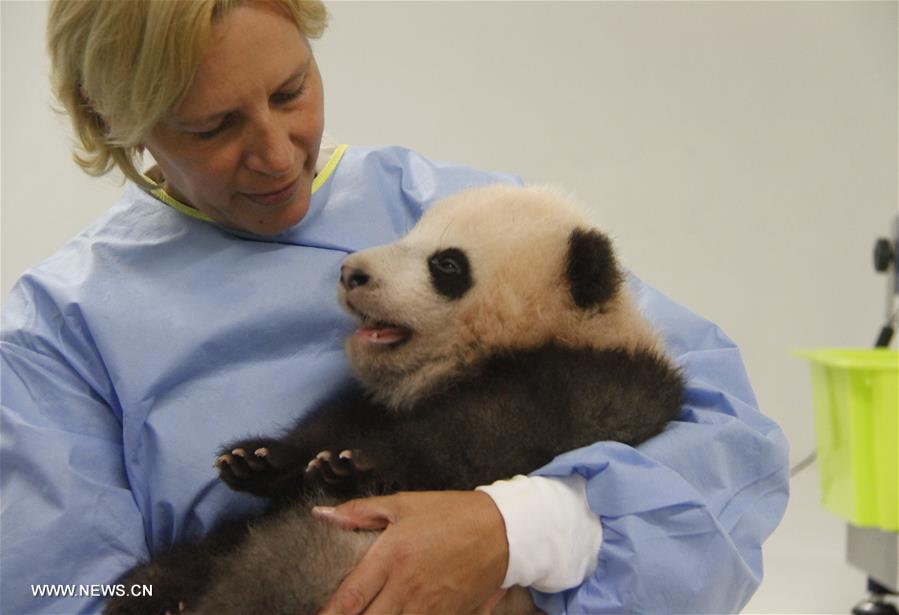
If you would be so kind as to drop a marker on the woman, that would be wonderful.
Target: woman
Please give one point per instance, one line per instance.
(201, 308)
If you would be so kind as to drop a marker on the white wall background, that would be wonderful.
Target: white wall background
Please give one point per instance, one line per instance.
(744, 155)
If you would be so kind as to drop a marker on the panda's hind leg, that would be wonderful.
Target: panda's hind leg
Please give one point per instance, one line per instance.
(176, 580)
(290, 564)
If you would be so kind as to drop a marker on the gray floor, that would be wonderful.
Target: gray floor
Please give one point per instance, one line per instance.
(805, 559)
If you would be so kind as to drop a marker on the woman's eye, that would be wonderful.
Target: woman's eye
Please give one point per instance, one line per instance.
(281, 98)
(213, 132)
(208, 134)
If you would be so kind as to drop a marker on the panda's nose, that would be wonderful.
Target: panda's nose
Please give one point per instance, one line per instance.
(351, 277)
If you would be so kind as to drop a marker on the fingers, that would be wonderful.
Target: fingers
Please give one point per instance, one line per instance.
(392, 599)
(366, 582)
(360, 588)
(433, 557)
(374, 588)
(487, 607)
(366, 514)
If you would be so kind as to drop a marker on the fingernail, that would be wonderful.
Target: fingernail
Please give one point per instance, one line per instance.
(323, 511)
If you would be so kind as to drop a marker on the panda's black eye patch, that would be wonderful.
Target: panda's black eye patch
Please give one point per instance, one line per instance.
(450, 272)
(446, 265)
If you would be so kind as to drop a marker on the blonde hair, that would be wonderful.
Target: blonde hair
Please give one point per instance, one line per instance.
(118, 66)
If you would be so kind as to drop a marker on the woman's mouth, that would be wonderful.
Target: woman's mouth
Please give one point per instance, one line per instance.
(277, 197)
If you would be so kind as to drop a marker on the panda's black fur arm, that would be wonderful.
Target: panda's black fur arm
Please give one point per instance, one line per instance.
(514, 414)
(347, 418)
(524, 408)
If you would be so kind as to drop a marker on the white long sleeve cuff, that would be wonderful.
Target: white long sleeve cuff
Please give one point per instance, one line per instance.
(554, 537)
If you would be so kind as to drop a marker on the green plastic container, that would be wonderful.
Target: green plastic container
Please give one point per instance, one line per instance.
(856, 407)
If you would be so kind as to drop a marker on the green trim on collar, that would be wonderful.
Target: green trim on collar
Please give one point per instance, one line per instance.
(160, 193)
(332, 163)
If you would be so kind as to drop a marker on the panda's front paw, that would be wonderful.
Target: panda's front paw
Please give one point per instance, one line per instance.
(260, 466)
(349, 472)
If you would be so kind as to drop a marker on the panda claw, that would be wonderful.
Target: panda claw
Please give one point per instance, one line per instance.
(357, 459)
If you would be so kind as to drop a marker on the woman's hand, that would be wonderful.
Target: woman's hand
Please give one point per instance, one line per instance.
(440, 552)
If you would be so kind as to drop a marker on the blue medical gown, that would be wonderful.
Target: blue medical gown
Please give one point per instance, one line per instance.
(153, 337)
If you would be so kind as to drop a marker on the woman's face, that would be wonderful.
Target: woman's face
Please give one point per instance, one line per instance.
(242, 146)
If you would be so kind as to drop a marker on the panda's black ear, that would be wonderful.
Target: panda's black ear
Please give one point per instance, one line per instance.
(592, 270)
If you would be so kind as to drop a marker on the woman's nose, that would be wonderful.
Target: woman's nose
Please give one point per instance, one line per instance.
(271, 150)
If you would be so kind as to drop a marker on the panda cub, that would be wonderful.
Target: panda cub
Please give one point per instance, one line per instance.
(496, 335)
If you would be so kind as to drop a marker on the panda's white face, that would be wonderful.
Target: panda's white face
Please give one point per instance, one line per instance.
(483, 271)
(406, 297)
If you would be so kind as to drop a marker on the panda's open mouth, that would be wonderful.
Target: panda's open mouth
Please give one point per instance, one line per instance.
(374, 331)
